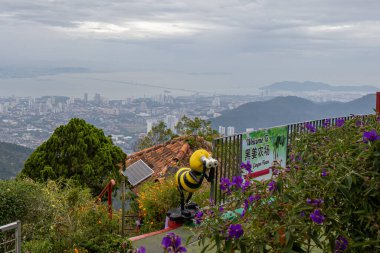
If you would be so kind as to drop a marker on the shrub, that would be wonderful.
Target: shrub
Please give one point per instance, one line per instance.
(41, 246)
(58, 217)
(107, 243)
(155, 200)
(24, 200)
(326, 200)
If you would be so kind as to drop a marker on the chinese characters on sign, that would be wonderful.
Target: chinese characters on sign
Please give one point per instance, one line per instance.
(264, 149)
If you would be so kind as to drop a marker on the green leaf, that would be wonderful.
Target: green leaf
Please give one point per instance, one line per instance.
(349, 181)
(228, 245)
(205, 248)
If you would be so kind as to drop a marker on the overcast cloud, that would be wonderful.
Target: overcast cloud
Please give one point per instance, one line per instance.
(198, 43)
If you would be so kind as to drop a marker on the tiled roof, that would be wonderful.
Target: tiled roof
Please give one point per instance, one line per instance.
(174, 153)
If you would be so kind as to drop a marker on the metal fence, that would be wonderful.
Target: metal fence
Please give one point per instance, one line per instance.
(228, 150)
(10, 238)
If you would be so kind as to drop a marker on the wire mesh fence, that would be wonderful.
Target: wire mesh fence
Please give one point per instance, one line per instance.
(10, 238)
(228, 150)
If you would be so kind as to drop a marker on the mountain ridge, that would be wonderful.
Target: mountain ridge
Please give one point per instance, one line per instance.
(12, 158)
(288, 110)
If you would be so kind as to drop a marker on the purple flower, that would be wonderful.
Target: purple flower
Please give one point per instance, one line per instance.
(221, 209)
(370, 136)
(359, 123)
(318, 202)
(166, 242)
(249, 201)
(275, 171)
(225, 185)
(302, 214)
(243, 213)
(253, 198)
(272, 186)
(198, 217)
(245, 185)
(141, 250)
(310, 127)
(247, 166)
(172, 243)
(326, 123)
(340, 122)
(237, 182)
(324, 173)
(315, 202)
(341, 244)
(317, 217)
(235, 231)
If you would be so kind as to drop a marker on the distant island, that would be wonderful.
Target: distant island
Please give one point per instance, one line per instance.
(308, 86)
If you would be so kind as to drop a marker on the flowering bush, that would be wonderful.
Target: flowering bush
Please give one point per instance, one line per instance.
(155, 200)
(326, 200)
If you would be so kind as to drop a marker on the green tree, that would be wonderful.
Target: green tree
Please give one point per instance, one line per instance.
(159, 134)
(198, 126)
(78, 151)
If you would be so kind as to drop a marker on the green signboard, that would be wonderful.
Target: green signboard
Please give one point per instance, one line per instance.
(264, 149)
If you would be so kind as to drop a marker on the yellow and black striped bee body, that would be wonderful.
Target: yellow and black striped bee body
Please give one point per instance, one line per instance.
(190, 179)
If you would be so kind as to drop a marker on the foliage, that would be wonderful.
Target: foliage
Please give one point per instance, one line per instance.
(186, 126)
(58, 218)
(326, 200)
(199, 127)
(41, 246)
(107, 243)
(155, 200)
(23, 200)
(77, 151)
(159, 134)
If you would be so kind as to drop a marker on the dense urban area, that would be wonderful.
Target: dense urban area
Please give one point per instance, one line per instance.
(29, 121)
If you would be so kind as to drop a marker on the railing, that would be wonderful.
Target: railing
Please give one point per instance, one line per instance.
(228, 150)
(10, 238)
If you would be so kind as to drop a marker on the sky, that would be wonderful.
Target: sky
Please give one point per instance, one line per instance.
(123, 48)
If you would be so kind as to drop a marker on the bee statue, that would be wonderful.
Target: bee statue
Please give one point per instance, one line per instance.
(202, 165)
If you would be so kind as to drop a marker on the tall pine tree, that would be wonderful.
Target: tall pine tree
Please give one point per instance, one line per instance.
(77, 151)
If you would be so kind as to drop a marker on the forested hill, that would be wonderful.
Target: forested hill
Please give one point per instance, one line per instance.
(12, 158)
(287, 110)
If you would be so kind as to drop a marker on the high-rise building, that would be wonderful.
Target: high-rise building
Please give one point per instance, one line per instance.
(85, 97)
(251, 129)
(222, 130)
(216, 102)
(171, 121)
(149, 124)
(97, 98)
(230, 130)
